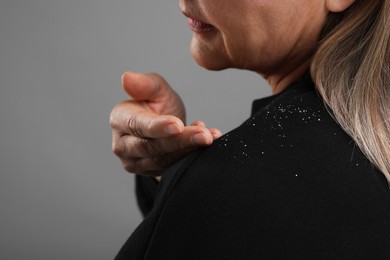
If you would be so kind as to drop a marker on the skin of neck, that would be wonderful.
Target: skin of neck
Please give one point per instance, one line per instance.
(280, 80)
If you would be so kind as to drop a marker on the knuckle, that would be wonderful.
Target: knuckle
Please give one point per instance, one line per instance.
(113, 117)
(148, 147)
(118, 149)
(136, 165)
(134, 126)
(129, 167)
(180, 143)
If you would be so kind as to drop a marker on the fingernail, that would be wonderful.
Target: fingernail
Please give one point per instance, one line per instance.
(198, 139)
(216, 135)
(172, 129)
(123, 76)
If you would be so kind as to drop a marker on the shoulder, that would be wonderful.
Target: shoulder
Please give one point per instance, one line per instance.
(287, 181)
(290, 147)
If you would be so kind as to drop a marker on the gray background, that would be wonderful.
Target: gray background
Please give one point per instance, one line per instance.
(63, 194)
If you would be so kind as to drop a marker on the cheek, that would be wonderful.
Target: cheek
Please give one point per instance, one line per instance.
(267, 37)
(250, 42)
(250, 28)
(257, 34)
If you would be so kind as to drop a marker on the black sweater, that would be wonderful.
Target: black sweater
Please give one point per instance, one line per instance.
(288, 183)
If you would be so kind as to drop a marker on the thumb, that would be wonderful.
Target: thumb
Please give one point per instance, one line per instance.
(148, 87)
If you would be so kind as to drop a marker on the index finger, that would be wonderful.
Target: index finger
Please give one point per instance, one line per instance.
(141, 123)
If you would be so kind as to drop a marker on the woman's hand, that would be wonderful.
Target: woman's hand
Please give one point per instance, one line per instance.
(149, 132)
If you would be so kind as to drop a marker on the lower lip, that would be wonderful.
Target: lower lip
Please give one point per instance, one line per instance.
(199, 27)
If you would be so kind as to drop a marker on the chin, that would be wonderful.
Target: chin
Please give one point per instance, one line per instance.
(210, 63)
(213, 67)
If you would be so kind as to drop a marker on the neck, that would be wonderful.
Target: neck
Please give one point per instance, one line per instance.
(280, 80)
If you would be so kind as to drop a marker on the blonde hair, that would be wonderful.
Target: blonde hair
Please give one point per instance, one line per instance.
(351, 70)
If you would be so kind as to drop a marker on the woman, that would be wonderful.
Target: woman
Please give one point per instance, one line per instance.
(305, 177)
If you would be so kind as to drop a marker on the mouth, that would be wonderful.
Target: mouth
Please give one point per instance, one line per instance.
(198, 25)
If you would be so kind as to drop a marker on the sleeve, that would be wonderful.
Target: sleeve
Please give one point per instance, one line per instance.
(146, 190)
